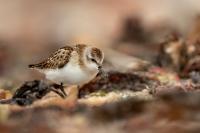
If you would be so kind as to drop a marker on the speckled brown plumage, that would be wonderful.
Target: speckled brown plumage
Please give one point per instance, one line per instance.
(97, 53)
(80, 49)
(57, 60)
(74, 65)
(63, 55)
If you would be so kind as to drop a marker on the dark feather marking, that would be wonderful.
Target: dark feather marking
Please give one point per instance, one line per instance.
(57, 60)
(97, 53)
(80, 49)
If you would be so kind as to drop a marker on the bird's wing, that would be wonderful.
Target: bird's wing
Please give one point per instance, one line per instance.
(57, 60)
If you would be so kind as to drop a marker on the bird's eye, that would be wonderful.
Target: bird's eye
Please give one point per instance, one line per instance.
(93, 60)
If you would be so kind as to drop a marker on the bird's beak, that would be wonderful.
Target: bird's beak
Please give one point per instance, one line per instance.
(102, 73)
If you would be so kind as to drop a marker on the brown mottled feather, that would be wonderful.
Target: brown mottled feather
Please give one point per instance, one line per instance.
(56, 60)
(80, 49)
(97, 53)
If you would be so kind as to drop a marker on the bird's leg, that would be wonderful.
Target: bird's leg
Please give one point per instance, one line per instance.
(62, 89)
(79, 94)
(57, 92)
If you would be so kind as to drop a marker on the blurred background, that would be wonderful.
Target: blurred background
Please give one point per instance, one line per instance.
(31, 29)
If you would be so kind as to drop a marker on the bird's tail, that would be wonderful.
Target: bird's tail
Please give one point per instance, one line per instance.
(34, 65)
(31, 66)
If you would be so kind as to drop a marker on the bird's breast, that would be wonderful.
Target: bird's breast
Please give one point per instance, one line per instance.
(71, 74)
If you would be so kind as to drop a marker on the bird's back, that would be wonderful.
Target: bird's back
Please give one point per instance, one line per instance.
(57, 60)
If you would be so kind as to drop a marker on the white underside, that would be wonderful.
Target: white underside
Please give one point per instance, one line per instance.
(71, 75)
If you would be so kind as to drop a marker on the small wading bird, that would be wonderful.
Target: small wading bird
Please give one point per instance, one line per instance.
(75, 65)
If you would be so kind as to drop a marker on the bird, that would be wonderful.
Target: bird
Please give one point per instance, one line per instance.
(72, 65)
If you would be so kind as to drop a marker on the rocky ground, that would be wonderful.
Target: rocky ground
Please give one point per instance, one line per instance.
(122, 102)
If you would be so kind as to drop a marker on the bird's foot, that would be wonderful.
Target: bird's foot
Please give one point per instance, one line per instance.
(61, 88)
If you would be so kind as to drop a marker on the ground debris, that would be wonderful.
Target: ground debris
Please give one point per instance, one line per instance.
(119, 81)
(172, 53)
(170, 113)
(157, 115)
(31, 91)
(180, 54)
